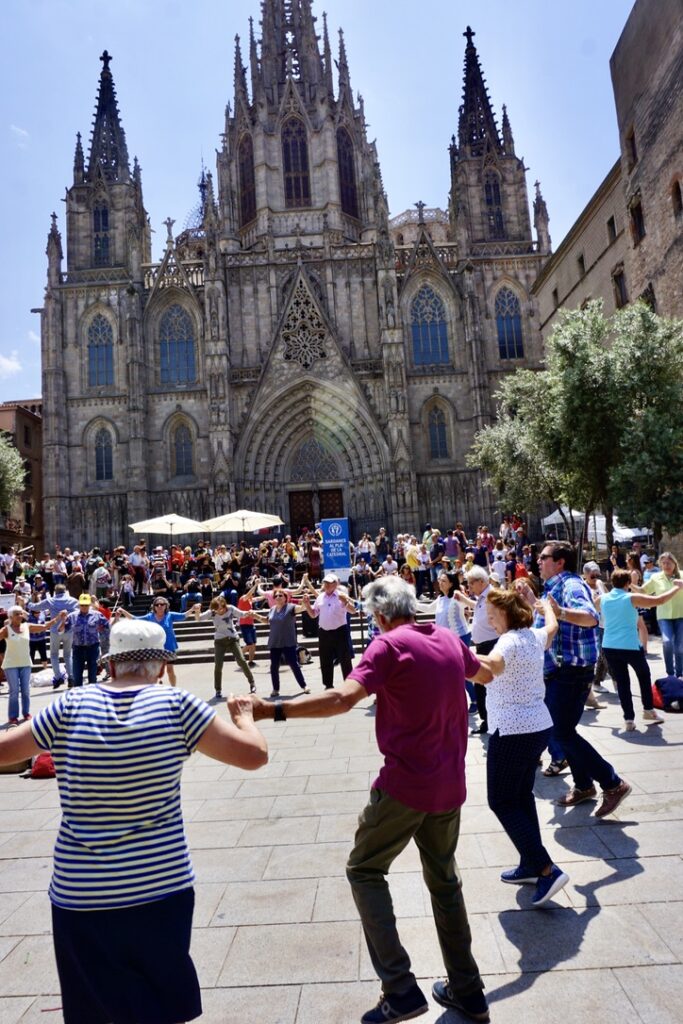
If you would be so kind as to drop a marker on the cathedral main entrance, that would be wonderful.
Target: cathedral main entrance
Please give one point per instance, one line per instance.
(306, 508)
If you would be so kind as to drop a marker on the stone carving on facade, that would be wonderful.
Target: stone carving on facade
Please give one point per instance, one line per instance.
(303, 331)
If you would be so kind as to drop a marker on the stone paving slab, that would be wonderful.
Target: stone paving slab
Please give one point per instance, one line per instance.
(277, 938)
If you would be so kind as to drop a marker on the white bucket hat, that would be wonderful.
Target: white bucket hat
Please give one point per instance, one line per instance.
(135, 640)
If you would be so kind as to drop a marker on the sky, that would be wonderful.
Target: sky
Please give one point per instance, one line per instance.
(173, 66)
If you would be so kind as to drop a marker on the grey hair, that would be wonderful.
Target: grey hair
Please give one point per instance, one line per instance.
(391, 597)
(477, 572)
(14, 609)
(147, 670)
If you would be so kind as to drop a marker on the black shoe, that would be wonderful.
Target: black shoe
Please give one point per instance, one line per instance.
(396, 1007)
(473, 1005)
(479, 730)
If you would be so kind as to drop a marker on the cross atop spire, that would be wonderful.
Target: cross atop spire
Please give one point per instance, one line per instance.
(477, 125)
(108, 150)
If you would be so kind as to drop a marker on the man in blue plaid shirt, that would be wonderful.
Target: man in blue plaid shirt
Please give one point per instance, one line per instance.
(569, 665)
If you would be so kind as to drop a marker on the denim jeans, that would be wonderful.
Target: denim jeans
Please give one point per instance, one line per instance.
(566, 689)
(18, 681)
(385, 827)
(85, 656)
(66, 641)
(672, 642)
(619, 661)
(289, 654)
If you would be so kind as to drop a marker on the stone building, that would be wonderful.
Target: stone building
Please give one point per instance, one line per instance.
(647, 78)
(293, 351)
(590, 261)
(22, 525)
(627, 243)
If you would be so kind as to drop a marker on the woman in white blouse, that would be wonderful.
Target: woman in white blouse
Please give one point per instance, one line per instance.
(519, 726)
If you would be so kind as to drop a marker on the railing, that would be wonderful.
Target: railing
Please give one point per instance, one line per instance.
(193, 269)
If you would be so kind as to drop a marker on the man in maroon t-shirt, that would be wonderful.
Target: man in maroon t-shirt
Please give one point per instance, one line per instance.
(417, 673)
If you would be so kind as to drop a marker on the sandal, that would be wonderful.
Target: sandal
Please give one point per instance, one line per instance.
(555, 768)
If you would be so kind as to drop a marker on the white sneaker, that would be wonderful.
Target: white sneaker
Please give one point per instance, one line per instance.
(652, 718)
(629, 726)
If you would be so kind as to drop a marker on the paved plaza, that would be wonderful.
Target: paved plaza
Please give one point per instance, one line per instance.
(277, 938)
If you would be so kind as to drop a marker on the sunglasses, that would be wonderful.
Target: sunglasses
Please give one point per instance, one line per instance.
(542, 558)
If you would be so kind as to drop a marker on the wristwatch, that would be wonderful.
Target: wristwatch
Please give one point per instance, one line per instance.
(279, 713)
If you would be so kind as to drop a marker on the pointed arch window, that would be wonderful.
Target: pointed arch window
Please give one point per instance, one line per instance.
(495, 226)
(429, 328)
(100, 353)
(183, 454)
(104, 462)
(100, 223)
(438, 439)
(177, 348)
(347, 173)
(295, 163)
(509, 325)
(245, 160)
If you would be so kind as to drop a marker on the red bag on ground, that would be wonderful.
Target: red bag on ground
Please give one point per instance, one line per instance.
(657, 697)
(43, 767)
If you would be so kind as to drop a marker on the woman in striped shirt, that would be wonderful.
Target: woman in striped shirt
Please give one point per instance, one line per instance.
(122, 885)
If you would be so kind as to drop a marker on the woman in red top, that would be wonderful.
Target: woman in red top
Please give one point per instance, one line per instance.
(247, 627)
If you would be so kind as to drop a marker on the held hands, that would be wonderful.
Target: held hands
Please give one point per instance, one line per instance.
(525, 592)
(260, 708)
(240, 708)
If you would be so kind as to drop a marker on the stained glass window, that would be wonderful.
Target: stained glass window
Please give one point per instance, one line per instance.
(494, 208)
(509, 324)
(430, 332)
(182, 451)
(438, 444)
(247, 180)
(295, 163)
(104, 466)
(100, 217)
(100, 353)
(347, 173)
(176, 341)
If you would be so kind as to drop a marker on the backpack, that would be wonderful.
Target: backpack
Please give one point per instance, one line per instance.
(667, 693)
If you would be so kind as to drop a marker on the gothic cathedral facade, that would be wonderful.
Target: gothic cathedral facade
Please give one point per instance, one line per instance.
(295, 351)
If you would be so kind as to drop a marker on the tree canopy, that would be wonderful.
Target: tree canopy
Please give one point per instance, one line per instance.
(12, 472)
(601, 427)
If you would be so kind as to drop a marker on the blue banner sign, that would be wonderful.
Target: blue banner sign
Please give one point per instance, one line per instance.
(336, 552)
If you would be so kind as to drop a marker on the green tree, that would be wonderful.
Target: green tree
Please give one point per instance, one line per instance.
(12, 472)
(601, 427)
(647, 481)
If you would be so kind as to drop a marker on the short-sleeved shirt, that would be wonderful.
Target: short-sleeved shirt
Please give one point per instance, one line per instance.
(418, 674)
(171, 642)
(119, 756)
(282, 626)
(515, 700)
(660, 583)
(330, 611)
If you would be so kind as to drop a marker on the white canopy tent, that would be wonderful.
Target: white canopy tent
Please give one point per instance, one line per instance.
(597, 527)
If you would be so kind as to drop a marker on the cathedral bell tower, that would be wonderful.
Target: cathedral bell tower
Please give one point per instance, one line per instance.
(295, 162)
(488, 201)
(106, 220)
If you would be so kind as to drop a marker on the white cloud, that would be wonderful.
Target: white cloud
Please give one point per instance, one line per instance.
(35, 338)
(21, 136)
(9, 365)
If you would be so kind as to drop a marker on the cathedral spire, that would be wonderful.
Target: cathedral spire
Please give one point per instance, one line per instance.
(477, 125)
(79, 161)
(327, 59)
(108, 150)
(508, 141)
(254, 62)
(54, 253)
(240, 77)
(541, 221)
(343, 67)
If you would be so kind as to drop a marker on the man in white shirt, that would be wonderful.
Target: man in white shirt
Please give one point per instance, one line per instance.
(390, 565)
(330, 609)
(484, 635)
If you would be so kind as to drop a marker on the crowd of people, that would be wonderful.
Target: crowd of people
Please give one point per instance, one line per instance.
(516, 624)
